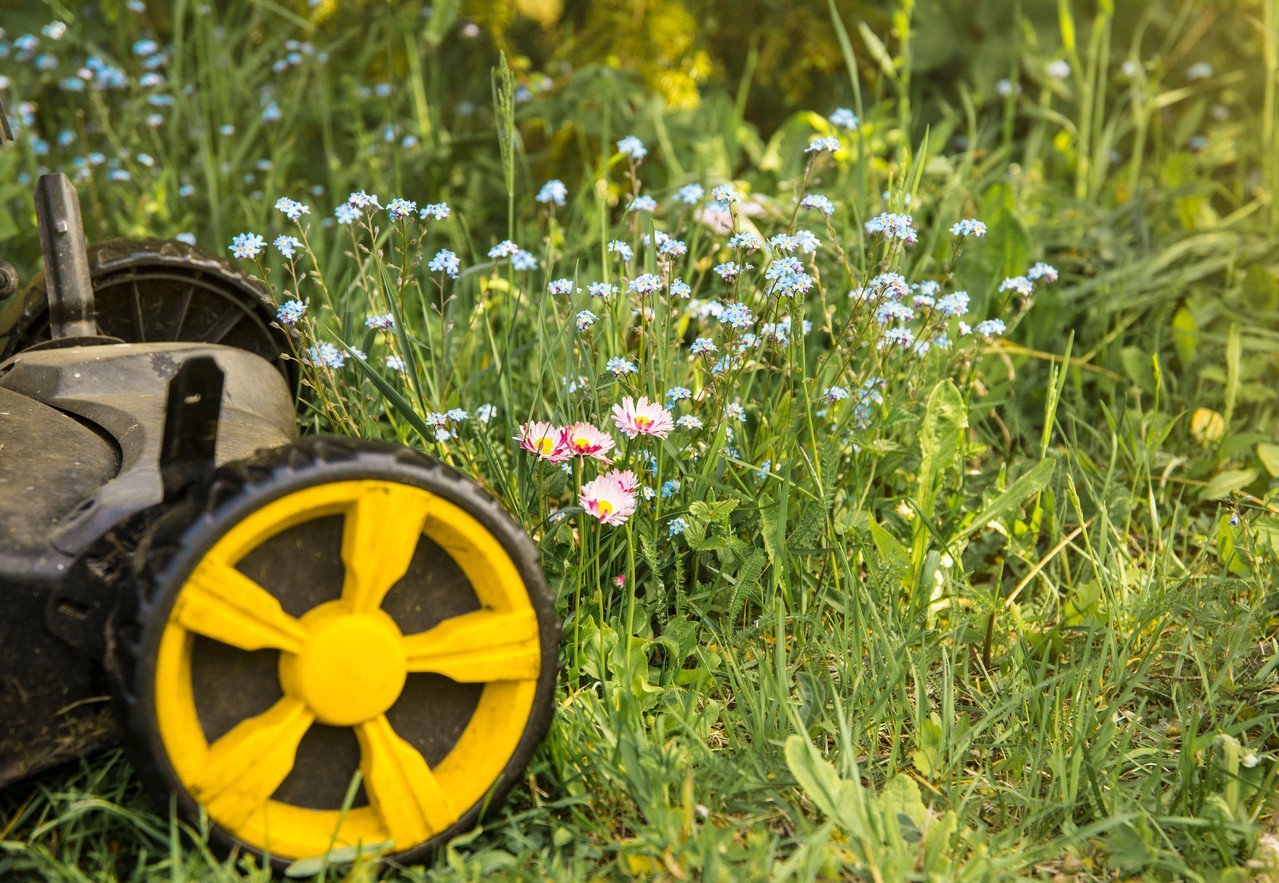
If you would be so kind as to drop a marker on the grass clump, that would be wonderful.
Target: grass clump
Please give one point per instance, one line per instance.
(878, 580)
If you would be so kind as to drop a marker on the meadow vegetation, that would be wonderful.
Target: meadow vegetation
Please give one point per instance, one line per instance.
(902, 453)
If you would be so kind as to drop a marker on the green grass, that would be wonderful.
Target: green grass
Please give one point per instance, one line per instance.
(1006, 630)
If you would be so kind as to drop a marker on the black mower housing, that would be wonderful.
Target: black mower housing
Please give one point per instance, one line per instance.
(96, 436)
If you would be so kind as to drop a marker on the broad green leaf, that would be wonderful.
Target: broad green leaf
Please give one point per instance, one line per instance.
(1261, 289)
(1228, 552)
(1014, 495)
(816, 776)
(927, 755)
(941, 439)
(1136, 362)
(893, 555)
(713, 511)
(901, 799)
(772, 531)
(1268, 454)
(1224, 483)
(937, 844)
(1185, 334)
(1085, 605)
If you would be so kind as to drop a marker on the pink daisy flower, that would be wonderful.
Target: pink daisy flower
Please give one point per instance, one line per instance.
(607, 500)
(627, 481)
(544, 440)
(642, 418)
(586, 440)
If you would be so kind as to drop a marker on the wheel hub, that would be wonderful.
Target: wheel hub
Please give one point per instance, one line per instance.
(351, 669)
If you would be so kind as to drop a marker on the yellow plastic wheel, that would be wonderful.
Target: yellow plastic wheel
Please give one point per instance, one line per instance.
(375, 614)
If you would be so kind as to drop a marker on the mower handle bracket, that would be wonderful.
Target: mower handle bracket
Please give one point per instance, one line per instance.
(66, 258)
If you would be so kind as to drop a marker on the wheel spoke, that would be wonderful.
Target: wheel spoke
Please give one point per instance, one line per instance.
(221, 327)
(137, 313)
(245, 766)
(184, 308)
(401, 787)
(479, 647)
(381, 534)
(221, 603)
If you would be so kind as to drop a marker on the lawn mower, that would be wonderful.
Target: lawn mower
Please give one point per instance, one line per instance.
(314, 645)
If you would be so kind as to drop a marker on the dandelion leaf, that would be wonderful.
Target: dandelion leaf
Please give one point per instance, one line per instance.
(893, 556)
(1013, 496)
(941, 439)
(747, 581)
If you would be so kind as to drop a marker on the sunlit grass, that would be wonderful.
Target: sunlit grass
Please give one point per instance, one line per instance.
(1021, 625)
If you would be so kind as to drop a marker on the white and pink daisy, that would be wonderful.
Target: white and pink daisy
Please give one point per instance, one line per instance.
(626, 480)
(607, 500)
(586, 440)
(634, 418)
(544, 440)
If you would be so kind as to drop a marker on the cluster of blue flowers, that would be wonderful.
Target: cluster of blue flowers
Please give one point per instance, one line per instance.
(325, 354)
(445, 262)
(690, 194)
(632, 148)
(621, 249)
(893, 226)
(520, 259)
(445, 424)
(737, 316)
(617, 366)
(399, 209)
(553, 192)
(291, 209)
(819, 203)
(822, 145)
(968, 227)
(804, 241)
(844, 118)
(788, 277)
(646, 283)
(725, 196)
(288, 246)
(643, 203)
(290, 312)
(246, 246)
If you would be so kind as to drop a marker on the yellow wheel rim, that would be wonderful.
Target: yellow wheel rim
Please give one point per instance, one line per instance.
(343, 664)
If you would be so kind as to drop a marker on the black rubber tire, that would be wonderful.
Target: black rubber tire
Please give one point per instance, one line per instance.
(181, 537)
(117, 261)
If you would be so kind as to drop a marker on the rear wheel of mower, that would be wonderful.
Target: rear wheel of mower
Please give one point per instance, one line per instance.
(147, 290)
(330, 608)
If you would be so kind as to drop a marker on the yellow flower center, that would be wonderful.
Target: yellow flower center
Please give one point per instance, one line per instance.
(545, 446)
(605, 507)
(643, 422)
(581, 443)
